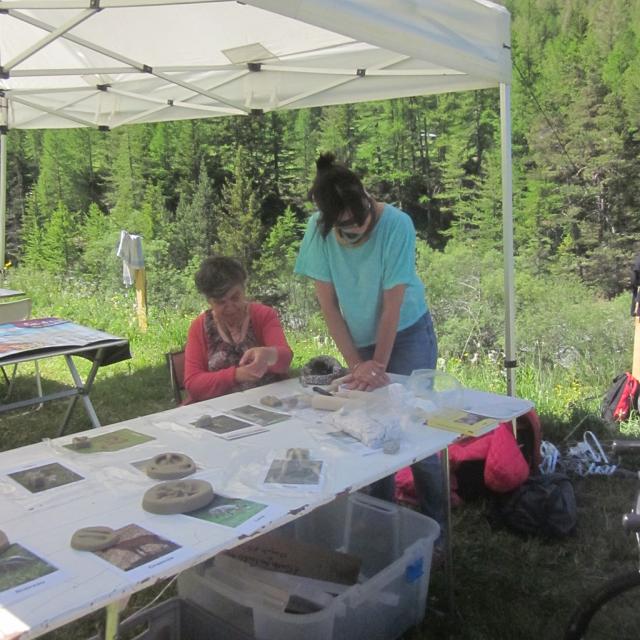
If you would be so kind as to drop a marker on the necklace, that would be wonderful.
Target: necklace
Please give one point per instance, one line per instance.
(347, 239)
(233, 334)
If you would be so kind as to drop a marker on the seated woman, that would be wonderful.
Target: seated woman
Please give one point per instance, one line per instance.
(236, 344)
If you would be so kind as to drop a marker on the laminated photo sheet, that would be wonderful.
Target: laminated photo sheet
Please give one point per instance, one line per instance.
(226, 426)
(45, 484)
(24, 571)
(109, 442)
(259, 415)
(243, 515)
(140, 552)
(246, 471)
(295, 469)
(106, 449)
(220, 425)
(229, 424)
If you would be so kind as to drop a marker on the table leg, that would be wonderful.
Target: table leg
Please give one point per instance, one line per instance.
(449, 573)
(83, 389)
(112, 618)
(111, 622)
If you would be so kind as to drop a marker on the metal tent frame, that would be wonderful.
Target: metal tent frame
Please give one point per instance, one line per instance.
(107, 63)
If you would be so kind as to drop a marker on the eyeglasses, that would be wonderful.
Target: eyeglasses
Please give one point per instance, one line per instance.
(351, 221)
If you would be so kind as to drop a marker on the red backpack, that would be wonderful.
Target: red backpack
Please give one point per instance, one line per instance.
(620, 399)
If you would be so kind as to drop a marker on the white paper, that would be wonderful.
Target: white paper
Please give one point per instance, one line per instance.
(243, 515)
(304, 475)
(493, 405)
(11, 560)
(140, 552)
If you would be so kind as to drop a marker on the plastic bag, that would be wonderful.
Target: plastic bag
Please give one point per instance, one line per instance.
(377, 419)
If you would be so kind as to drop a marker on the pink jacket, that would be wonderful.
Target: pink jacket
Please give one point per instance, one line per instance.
(505, 467)
(202, 384)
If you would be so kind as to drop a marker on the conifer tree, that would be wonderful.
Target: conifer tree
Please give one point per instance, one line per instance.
(57, 246)
(99, 238)
(239, 229)
(31, 233)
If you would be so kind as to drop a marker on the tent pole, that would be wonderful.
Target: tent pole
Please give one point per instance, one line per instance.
(3, 194)
(507, 238)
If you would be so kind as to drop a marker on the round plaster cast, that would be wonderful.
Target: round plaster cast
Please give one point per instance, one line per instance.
(94, 538)
(204, 421)
(170, 466)
(271, 401)
(4, 541)
(177, 496)
(81, 442)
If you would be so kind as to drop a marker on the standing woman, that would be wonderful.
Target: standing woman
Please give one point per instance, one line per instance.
(361, 254)
(235, 344)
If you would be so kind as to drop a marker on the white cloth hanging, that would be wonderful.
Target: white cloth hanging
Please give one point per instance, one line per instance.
(130, 250)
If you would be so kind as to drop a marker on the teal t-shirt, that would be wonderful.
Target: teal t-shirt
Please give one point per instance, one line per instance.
(361, 274)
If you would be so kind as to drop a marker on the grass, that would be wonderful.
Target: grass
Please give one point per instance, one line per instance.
(506, 587)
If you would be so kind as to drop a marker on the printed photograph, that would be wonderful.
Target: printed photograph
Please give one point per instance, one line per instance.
(10, 347)
(229, 512)
(258, 415)
(47, 476)
(19, 566)
(114, 441)
(298, 472)
(470, 418)
(136, 546)
(221, 424)
(343, 437)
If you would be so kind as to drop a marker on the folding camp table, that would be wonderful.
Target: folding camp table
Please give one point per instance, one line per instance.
(10, 293)
(42, 338)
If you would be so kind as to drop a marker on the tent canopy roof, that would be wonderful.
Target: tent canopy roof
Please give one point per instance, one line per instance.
(105, 63)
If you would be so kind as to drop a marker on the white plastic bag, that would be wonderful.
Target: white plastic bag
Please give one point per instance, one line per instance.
(378, 418)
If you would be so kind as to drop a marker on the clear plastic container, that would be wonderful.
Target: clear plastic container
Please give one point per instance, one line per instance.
(177, 619)
(395, 545)
(437, 388)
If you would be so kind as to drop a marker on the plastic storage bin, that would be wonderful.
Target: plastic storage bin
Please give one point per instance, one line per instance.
(395, 545)
(176, 619)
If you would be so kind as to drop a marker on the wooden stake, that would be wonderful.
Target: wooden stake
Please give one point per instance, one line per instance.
(140, 281)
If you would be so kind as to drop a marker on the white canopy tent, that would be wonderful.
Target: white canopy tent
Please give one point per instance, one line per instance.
(106, 63)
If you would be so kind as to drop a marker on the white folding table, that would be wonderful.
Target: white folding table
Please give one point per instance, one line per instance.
(112, 489)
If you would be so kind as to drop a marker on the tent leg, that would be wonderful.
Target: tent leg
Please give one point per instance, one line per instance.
(507, 239)
(3, 187)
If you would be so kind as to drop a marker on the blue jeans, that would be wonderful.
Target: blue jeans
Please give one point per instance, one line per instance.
(415, 347)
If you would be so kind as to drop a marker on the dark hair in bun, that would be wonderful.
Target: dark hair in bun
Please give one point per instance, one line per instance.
(325, 161)
(335, 191)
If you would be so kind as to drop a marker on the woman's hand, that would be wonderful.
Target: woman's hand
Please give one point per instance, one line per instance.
(257, 360)
(367, 376)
